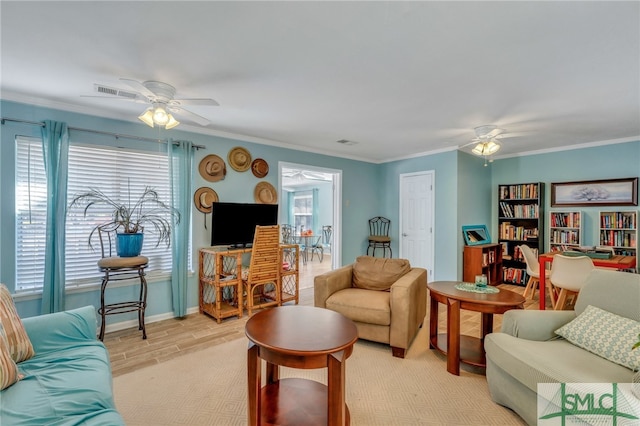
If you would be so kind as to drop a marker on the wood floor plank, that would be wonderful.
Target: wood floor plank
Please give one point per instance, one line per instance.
(172, 338)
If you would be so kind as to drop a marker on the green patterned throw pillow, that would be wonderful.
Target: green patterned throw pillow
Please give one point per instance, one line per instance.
(605, 334)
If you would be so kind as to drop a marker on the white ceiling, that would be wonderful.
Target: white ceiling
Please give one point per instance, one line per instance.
(398, 78)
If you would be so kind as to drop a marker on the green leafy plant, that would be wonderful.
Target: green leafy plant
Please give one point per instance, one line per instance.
(637, 344)
(131, 217)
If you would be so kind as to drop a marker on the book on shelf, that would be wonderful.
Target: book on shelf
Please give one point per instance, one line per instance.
(515, 276)
(518, 192)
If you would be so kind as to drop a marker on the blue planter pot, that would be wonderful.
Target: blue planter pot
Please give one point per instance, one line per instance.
(129, 245)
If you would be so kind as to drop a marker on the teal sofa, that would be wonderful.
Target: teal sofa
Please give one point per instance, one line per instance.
(527, 351)
(68, 381)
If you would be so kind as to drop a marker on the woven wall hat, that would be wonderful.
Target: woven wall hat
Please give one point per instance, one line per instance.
(265, 193)
(212, 168)
(204, 198)
(259, 168)
(239, 159)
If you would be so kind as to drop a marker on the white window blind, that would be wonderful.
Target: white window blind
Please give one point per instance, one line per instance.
(113, 171)
(31, 214)
(120, 174)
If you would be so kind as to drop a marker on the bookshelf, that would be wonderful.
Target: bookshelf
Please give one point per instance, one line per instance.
(520, 221)
(619, 230)
(565, 230)
(482, 259)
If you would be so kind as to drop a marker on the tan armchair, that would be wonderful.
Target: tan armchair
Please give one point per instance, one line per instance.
(385, 298)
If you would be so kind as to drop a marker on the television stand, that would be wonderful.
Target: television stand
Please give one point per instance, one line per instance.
(241, 245)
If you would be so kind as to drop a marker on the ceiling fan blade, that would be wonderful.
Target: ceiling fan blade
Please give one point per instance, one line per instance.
(190, 115)
(494, 133)
(194, 101)
(513, 135)
(139, 87)
(473, 142)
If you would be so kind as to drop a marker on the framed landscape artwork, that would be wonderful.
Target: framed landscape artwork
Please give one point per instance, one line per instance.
(608, 192)
(475, 235)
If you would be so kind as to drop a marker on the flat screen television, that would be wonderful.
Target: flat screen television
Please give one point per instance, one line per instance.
(234, 224)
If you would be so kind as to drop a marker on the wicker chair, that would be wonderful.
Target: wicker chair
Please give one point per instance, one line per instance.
(262, 283)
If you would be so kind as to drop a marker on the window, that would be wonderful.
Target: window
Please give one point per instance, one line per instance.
(113, 171)
(303, 210)
(31, 214)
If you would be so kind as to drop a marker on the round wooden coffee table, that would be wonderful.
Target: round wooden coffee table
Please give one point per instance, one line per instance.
(298, 337)
(467, 349)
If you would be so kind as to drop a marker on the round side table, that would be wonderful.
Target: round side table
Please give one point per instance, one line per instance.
(298, 337)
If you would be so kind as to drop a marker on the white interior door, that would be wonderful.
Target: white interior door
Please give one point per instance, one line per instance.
(417, 220)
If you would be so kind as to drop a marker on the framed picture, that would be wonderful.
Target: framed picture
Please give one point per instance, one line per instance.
(608, 192)
(475, 235)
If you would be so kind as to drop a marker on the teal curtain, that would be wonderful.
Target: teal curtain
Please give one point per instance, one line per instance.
(315, 213)
(55, 149)
(181, 175)
(292, 208)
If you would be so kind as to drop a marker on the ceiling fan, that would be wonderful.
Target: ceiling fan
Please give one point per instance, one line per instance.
(161, 97)
(486, 141)
(302, 175)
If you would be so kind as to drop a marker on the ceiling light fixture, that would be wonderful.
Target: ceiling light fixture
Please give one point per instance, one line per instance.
(486, 148)
(487, 142)
(158, 115)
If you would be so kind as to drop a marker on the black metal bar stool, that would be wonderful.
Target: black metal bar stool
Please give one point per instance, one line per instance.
(379, 236)
(117, 268)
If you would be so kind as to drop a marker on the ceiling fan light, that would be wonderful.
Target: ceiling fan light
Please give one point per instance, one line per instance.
(491, 147)
(160, 115)
(147, 117)
(171, 123)
(478, 149)
(486, 148)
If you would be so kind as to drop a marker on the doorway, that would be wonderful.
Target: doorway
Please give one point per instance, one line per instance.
(417, 220)
(310, 199)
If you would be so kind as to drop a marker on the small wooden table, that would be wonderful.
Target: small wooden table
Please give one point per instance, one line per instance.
(298, 337)
(467, 349)
(614, 262)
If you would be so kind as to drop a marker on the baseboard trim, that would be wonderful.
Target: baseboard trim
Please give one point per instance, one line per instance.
(123, 325)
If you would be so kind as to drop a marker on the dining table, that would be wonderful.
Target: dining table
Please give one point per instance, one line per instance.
(614, 262)
(305, 241)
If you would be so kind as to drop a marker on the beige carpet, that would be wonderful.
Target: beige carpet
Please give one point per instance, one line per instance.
(209, 388)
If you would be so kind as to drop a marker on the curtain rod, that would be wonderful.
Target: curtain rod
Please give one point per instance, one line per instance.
(115, 135)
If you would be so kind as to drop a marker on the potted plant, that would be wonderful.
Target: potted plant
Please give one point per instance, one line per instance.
(129, 218)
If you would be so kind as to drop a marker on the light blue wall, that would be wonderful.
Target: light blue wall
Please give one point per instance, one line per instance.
(602, 162)
(447, 227)
(465, 192)
(474, 183)
(358, 191)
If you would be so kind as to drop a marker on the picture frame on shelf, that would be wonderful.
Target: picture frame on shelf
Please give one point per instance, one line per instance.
(475, 235)
(606, 192)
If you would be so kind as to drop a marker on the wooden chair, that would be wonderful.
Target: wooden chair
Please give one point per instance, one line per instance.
(262, 284)
(533, 270)
(115, 268)
(569, 274)
(379, 236)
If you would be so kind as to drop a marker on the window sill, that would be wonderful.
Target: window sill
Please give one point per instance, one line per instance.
(95, 286)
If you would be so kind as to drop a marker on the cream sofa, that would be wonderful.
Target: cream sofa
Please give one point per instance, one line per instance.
(385, 298)
(527, 351)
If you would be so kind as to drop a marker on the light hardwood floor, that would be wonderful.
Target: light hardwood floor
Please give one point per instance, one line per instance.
(175, 337)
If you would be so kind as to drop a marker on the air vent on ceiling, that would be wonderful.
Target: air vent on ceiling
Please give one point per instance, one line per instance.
(346, 142)
(115, 92)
